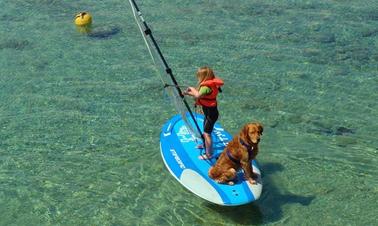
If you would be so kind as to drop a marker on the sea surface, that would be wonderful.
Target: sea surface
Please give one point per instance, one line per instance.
(81, 114)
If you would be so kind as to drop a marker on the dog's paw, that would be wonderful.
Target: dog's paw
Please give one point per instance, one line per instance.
(225, 182)
(255, 175)
(252, 181)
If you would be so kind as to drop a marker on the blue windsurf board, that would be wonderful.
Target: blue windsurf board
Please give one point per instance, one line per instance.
(180, 155)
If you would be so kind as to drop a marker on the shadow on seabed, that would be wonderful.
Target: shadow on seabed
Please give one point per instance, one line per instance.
(269, 207)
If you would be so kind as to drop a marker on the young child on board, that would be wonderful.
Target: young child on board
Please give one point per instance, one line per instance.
(206, 97)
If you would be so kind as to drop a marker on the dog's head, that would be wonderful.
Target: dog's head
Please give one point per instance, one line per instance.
(252, 132)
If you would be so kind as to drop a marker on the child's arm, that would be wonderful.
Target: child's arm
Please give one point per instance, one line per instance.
(191, 91)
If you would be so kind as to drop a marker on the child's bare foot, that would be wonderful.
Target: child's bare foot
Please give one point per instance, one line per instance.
(205, 157)
(200, 146)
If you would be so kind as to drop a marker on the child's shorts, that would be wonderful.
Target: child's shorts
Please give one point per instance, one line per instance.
(211, 116)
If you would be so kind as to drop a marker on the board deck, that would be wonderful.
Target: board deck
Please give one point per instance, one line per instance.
(180, 155)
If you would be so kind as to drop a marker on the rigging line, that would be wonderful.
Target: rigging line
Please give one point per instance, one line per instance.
(141, 30)
(172, 85)
(147, 31)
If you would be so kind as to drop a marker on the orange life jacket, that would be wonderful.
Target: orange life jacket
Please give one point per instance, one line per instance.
(210, 100)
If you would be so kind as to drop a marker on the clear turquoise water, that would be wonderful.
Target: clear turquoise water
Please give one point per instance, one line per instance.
(80, 116)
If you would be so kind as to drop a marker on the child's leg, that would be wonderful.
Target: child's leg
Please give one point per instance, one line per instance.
(211, 116)
(208, 144)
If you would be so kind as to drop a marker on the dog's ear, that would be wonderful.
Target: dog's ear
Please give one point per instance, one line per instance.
(260, 127)
(244, 133)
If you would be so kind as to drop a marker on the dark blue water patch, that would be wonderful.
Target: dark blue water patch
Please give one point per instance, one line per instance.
(369, 32)
(15, 44)
(321, 131)
(375, 56)
(340, 53)
(12, 18)
(104, 33)
(269, 208)
(326, 38)
(190, 38)
(320, 128)
(322, 57)
(358, 54)
(371, 14)
(257, 9)
(341, 130)
(262, 105)
(310, 6)
(274, 124)
(345, 141)
(342, 71)
(311, 52)
(249, 214)
(261, 9)
(52, 8)
(42, 65)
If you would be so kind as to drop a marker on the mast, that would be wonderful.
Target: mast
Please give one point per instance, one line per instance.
(148, 33)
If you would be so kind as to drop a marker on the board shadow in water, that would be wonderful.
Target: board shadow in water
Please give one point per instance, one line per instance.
(268, 208)
(273, 198)
(104, 33)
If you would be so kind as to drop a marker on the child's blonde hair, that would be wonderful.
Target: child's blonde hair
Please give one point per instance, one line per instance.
(204, 73)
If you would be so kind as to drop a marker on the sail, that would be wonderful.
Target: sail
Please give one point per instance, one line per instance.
(165, 73)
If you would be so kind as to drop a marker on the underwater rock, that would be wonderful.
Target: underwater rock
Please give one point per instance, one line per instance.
(14, 44)
(311, 52)
(262, 9)
(318, 56)
(343, 130)
(294, 119)
(369, 33)
(256, 105)
(326, 38)
(342, 72)
(375, 57)
(342, 57)
(104, 33)
(12, 18)
(42, 66)
(309, 6)
(295, 37)
(345, 141)
(358, 55)
(274, 124)
(361, 55)
(319, 60)
(274, 57)
(322, 129)
(371, 15)
(305, 76)
(190, 38)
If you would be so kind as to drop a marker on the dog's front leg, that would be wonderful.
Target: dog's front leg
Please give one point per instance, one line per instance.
(248, 173)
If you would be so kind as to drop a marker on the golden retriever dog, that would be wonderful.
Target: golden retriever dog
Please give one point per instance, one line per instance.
(238, 153)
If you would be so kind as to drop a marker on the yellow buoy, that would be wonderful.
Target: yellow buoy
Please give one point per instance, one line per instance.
(83, 19)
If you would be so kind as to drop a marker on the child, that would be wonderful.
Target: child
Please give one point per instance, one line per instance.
(205, 95)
